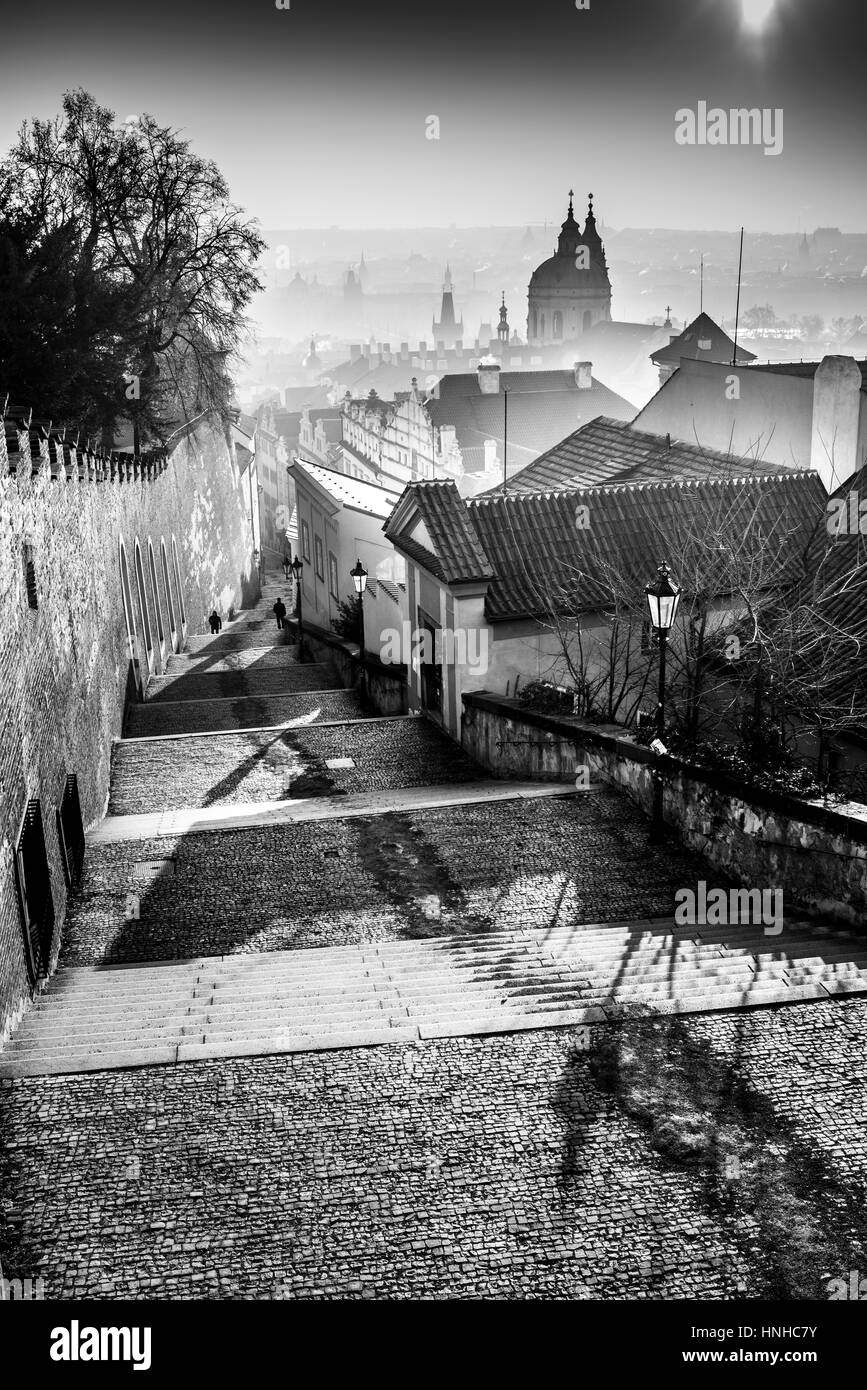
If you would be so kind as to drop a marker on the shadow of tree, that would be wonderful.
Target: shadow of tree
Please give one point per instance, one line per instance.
(794, 1223)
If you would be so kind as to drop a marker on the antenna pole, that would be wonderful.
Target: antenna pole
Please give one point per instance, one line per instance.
(738, 301)
(505, 434)
(701, 286)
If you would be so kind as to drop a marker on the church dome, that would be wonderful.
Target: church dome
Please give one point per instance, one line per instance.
(564, 270)
(570, 292)
(562, 273)
(311, 361)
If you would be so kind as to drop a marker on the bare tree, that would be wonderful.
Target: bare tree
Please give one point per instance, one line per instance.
(152, 218)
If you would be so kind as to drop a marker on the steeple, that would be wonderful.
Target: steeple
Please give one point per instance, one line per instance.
(503, 325)
(447, 329)
(570, 232)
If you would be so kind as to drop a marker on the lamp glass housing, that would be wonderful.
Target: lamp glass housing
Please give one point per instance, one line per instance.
(359, 577)
(663, 598)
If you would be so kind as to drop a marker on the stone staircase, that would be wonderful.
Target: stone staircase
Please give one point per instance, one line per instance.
(94, 1018)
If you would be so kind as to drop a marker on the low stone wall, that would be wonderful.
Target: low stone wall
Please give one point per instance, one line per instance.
(386, 685)
(815, 853)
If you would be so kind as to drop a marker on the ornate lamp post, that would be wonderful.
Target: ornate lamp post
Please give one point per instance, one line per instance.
(663, 598)
(359, 579)
(298, 570)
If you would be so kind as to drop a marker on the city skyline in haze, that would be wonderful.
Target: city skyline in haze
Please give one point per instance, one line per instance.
(332, 114)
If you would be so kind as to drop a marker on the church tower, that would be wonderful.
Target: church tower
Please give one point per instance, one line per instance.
(445, 329)
(571, 291)
(503, 325)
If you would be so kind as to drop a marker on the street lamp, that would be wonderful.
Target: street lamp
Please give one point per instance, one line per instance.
(663, 598)
(298, 569)
(359, 579)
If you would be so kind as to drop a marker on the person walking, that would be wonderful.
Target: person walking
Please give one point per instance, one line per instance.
(279, 611)
(215, 622)
(286, 567)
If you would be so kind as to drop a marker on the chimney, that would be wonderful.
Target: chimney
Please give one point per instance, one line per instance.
(386, 352)
(490, 455)
(489, 379)
(354, 350)
(459, 347)
(836, 420)
(422, 347)
(584, 375)
(404, 351)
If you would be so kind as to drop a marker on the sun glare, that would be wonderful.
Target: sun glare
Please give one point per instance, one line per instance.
(756, 13)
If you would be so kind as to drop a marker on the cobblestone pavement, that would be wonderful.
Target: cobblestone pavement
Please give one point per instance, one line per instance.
(254, 681)
(389, 877)
(192, 716)
(502, 1168)
(653, 1157)
(384, 754)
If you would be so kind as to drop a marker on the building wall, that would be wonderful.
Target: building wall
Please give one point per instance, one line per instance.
(770, 418)
(345, 535)
(64, 665)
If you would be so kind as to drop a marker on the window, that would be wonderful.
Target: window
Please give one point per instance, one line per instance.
(305, 542)
(30, 577)
(127, 601)
(164, 561)
(180, 588)
(320, 558)
(143, 604)
(70, 831)
(332, 576)
(152, 566)
(558, 325)
(33, 882)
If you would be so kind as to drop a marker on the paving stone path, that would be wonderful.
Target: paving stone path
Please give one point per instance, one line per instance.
(444, 1044)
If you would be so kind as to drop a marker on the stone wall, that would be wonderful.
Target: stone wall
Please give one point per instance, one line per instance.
(67, 664)
(815, 853)
(386, 685)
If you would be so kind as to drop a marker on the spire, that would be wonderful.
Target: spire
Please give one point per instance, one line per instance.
(447, 282)
(503, 325)
(571, 196)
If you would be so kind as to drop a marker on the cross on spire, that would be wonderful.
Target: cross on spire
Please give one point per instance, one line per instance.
(571, 196)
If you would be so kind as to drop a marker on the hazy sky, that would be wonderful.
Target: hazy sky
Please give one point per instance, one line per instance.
(317, 114)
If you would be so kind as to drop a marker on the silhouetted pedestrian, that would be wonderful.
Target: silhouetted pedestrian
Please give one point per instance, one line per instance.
(279, 611)
(286, 566)
(215, 622)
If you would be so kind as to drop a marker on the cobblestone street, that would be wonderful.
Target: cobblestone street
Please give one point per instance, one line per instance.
(468, 1168)
(652, 1156)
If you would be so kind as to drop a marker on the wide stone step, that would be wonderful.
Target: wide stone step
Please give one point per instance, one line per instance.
(205, 685)
(367, 995)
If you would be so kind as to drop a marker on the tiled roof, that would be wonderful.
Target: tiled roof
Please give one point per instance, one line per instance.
(540, 555)
(467, 383)
(537, 418)
(608, 450)
(351, 492)
(686, 344)
(458, 554)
